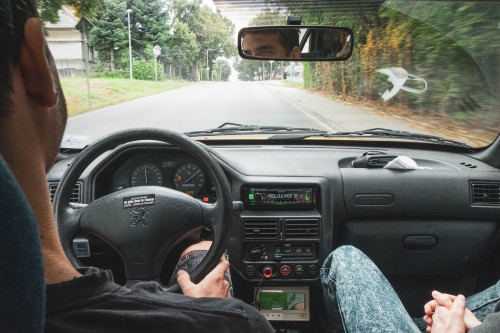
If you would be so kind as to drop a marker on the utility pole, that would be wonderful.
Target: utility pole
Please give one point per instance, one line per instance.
(208, 73)
(86, 50)
(129, 42)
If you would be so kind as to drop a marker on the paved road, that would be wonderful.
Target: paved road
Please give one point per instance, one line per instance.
(209, 104)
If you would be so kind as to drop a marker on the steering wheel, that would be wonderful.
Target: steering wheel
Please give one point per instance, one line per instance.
(144, 223)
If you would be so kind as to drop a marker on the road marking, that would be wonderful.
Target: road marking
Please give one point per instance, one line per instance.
(321, 123)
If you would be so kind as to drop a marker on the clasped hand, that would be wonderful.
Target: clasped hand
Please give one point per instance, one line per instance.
(448, 314)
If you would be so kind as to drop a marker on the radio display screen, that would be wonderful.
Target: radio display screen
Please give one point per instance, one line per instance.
(279, 197)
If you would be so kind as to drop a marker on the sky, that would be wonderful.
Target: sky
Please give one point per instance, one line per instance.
(209, 3)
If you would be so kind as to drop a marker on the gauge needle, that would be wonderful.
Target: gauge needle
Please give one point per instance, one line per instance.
(146, 175)
(197, 172)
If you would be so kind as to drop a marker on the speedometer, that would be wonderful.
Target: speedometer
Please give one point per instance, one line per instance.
(146, 174)
(189, 178)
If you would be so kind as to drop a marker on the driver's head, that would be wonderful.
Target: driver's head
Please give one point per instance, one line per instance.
(32, 106)
(272, 43)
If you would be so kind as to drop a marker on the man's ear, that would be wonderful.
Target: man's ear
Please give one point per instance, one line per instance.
(295, 54)
(35, 69)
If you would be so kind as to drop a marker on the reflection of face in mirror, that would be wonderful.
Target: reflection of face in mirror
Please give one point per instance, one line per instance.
(272, 43)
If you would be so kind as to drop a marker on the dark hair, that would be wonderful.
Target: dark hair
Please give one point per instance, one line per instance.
(289, 38)
(13, 16)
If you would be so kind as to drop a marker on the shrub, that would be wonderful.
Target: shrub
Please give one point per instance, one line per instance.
(145, 70)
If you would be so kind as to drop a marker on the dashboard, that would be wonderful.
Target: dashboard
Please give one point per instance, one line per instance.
(436, 227)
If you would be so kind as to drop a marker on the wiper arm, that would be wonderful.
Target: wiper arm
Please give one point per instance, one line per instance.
(300, 133)
(402, 134)
(233, 128)
(383, 132)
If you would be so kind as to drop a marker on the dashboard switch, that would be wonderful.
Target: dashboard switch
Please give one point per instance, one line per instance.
(299, 270)
(250, 270)
(256, 252)
(267, 272)
(312, 269)
(285, 270)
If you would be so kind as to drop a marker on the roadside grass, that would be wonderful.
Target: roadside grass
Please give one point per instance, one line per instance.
(294, 83)
(104, 92)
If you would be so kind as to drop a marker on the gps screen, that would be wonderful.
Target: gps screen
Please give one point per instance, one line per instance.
(281, 301)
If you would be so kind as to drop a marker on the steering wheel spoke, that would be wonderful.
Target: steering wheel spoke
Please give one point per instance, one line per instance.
(71, 227)
(210, 214)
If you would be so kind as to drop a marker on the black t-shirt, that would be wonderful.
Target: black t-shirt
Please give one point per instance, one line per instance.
(95, 303)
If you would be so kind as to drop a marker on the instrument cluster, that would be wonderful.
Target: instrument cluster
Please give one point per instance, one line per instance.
(173, 170)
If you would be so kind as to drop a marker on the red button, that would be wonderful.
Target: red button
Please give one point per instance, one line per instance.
(267, 272)
(285, 270)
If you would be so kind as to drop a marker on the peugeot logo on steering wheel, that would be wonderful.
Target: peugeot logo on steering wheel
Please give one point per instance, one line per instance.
(138, 215)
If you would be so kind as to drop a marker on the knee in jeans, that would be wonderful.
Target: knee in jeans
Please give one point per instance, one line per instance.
(347, 253)
(343, 257)
(344, 249)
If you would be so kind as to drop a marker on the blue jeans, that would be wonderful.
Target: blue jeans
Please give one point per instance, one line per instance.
(358, 297)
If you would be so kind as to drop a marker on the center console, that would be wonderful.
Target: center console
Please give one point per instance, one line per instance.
(278, 237)
(281, 228)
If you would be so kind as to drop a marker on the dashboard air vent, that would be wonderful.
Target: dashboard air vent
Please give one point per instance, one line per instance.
(261, 229)
(485, 193)
(75, 195)
(468, 165)
(303, 228)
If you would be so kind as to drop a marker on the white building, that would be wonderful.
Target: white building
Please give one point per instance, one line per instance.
(68, 43)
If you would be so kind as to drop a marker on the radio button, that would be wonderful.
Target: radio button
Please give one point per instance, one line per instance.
(299, 270)
(285, 270)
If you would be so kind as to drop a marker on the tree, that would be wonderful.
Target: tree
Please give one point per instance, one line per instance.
(213, 32)
(148, 24)
(110, 31)
(269, 17)
(87, 8)
(442, 42)
(248, 70)
(222, 69)
(148, 27)
(182, 49)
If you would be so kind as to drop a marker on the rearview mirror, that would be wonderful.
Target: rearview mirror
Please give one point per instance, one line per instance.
(302, 43)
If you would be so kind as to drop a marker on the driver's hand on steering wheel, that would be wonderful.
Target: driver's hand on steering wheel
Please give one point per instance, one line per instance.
(213, 285)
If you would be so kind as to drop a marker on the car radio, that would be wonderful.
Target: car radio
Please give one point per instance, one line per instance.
(279, 197)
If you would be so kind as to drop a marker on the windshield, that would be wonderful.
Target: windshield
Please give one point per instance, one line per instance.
(426, 67)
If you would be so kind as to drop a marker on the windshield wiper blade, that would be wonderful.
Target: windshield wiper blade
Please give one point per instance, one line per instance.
(233, 128)
(384, 132)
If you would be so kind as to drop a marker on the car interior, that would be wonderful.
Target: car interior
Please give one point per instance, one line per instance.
(292, 204)
(279, 204)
